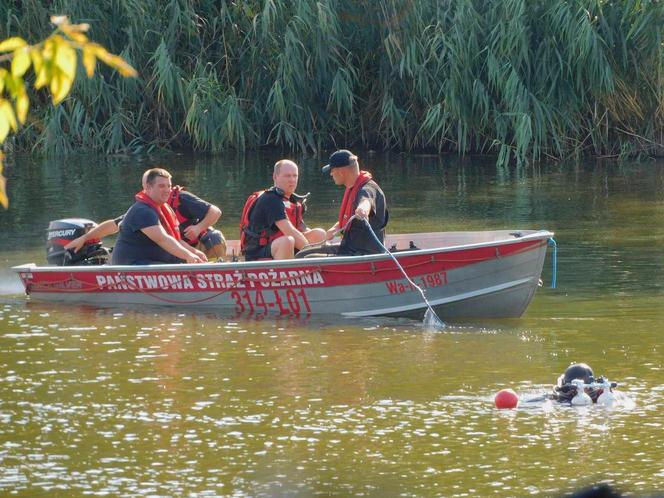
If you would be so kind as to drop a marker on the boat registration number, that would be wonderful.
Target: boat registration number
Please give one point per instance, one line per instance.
(425, 281)
(284, 302)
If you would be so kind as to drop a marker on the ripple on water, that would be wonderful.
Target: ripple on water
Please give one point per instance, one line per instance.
(257, 409)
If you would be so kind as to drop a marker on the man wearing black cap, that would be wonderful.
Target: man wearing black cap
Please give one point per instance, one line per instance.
(363, 198)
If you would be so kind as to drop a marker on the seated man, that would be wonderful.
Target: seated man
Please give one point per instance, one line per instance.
(149, 232)
(272, 223)
(364, 199)
(195, 216)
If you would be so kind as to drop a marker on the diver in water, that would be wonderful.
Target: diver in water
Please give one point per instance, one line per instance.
(578, 386)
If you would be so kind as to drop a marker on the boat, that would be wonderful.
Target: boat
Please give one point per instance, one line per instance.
(463, 274)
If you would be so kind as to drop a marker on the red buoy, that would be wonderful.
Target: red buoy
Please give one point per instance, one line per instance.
(506, 398)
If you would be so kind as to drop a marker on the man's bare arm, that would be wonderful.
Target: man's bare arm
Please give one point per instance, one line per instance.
(104, 229)
(211, 217)
(158, 235)
(287, 228)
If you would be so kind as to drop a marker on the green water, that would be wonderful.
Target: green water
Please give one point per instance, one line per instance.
(160, 403)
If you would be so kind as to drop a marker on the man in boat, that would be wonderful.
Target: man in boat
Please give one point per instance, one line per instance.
(195, 217)
(149, 232)
(272, 224)
(364, 199)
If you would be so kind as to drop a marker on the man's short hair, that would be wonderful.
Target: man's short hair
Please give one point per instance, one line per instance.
(282, 162)
(150, 175)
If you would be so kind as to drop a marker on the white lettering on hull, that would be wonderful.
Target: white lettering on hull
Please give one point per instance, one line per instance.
(210, 281)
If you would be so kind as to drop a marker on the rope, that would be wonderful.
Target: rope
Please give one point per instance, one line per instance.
(430, 316)
(554, 269)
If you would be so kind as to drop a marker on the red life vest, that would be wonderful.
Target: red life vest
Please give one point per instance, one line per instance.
(348, 205)
(265, 235)
(167, 217)
(183, 221)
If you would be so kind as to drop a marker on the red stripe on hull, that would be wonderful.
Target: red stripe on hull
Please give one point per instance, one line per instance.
(218, 281)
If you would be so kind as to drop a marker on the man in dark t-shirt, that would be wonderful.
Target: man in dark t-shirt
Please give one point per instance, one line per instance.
(149, 232)
(195, 216)
(362, 198)
(276, 228)
(134, 247)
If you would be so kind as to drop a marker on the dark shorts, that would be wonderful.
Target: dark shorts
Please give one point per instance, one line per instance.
(211, 238)
(264, 252)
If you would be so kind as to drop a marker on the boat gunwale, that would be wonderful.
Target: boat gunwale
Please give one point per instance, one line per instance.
(297, 262)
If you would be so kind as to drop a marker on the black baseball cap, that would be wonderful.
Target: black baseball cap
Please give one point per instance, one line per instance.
(339, 159)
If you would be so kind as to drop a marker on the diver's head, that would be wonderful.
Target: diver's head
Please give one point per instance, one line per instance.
(577, 371)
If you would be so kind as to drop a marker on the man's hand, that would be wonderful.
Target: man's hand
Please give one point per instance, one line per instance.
(192, 232)
(194, 258)
(329, 234)
(76, 244)
(201, 255)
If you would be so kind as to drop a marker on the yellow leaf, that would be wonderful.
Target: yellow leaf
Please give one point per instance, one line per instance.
(3, 73)
(73, 33)
(4, 127)
(37, 60)
(65, 58)
(50, 46)
(20, 62)
(99, 51)
(11, 44)
(81, 28)
(123, 67)
(89, 60)
(42, 77)
(115, 61)
(7, 111)
(46, 68)
(60, 86)
(22, 106)
(3, 185)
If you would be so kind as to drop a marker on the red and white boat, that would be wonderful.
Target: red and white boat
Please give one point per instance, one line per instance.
(464, 274)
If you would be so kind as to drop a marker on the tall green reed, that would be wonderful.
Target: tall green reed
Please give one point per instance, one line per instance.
(523, 80)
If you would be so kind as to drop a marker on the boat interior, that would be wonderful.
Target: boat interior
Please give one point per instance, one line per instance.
(426, 240)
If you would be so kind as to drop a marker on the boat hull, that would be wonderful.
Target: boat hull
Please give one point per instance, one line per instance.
(488, 274)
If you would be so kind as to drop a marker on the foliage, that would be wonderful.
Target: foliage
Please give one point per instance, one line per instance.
(516, 78)
(54, 63)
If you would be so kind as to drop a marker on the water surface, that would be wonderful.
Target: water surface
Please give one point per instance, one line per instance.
(156, 402)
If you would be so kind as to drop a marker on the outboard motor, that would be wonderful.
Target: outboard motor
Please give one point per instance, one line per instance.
(61, 232)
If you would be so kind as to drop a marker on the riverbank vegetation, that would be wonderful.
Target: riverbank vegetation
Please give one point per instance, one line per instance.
(520, 79)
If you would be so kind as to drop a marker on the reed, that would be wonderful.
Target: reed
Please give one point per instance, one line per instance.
(523, 80)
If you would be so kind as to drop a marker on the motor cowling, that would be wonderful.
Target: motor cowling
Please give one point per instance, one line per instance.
(60, 232)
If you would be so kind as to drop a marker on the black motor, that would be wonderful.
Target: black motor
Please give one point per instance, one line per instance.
(61, 232)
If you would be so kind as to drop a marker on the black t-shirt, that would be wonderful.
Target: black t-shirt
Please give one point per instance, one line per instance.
(133, 246)
(268, 209)
(192, 207)
(357, 240)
